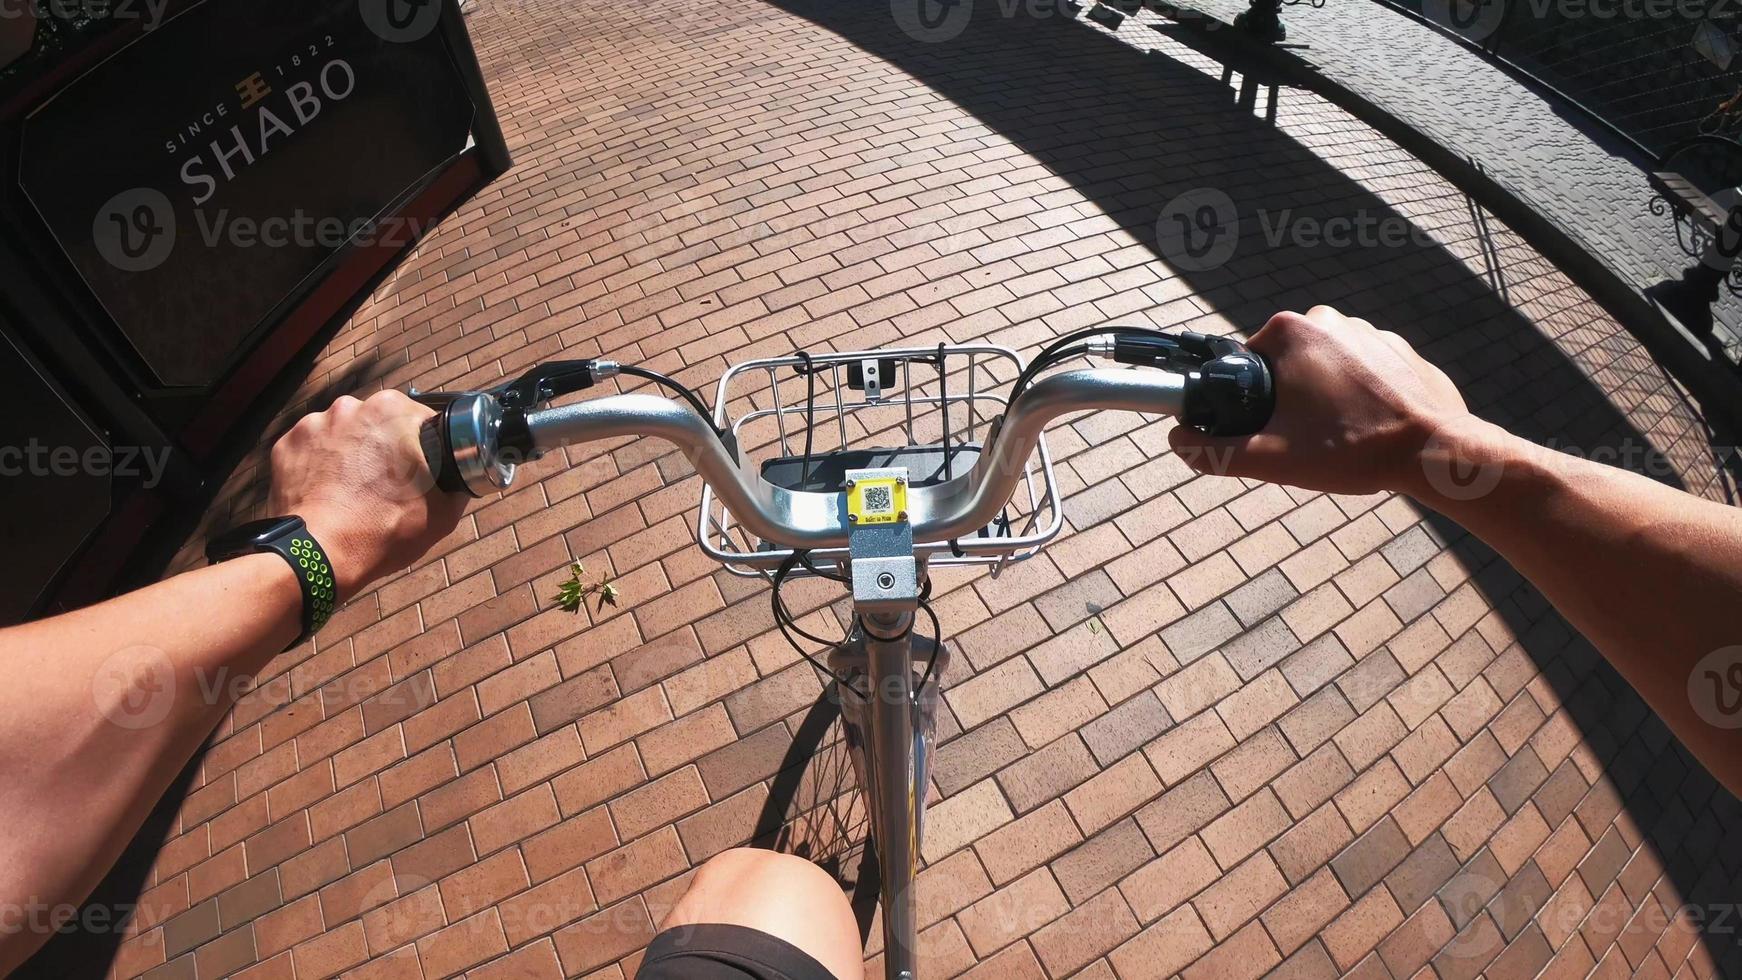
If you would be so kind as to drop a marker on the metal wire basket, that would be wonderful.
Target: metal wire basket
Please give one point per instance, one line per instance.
(806, 419)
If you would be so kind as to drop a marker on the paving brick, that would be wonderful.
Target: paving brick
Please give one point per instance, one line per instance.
(963, 818)
(1304, 911)
(1164, 947)
(1046, 773)
(1021, 845)
(1182, 810)
(1089, 931)
(974, 755)
(1101, 860)
(1351, 935)
(1015, 910)
(1167, 881)
(1239, 895)
(1188, 747)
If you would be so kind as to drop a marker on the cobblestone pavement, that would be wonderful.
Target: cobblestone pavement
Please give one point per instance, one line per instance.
(1219, 727)
(1543, 153)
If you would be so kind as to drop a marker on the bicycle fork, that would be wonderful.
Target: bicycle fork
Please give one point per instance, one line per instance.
(888, 729)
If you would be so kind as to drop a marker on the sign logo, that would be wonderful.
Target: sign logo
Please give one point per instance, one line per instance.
(1198, 229)
(932, 21)
(401, 21)
(135, 230)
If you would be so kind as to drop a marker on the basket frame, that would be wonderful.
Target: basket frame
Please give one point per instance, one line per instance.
(715, 529)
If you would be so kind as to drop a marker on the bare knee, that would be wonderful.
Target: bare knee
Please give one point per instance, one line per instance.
(779, 894)
(751, 876)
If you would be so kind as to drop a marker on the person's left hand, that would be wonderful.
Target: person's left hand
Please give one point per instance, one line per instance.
(357, 476)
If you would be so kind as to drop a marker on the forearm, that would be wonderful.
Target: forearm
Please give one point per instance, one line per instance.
(104, 706)
(1649, 574)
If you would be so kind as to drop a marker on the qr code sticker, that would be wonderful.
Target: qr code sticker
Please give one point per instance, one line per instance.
(878, 500)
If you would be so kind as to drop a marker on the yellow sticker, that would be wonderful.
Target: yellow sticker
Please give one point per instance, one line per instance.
(879, 501)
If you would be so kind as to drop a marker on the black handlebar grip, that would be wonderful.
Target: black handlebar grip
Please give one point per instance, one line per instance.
(1232, 395)
(438, 452)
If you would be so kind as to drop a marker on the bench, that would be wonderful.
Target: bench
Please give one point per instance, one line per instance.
(1680, 182)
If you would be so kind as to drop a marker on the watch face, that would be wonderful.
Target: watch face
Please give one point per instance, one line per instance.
(251, 536)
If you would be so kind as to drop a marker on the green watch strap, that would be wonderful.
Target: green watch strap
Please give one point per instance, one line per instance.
(315, 573)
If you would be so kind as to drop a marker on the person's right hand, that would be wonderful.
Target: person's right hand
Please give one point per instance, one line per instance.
(1355, 406)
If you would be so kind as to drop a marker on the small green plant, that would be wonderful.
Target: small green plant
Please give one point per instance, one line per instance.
(574, 591)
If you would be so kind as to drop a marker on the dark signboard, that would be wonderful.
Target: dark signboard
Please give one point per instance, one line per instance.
(194, 194)
(198, 178)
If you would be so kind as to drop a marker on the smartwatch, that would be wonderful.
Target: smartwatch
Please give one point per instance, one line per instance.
(290, 539)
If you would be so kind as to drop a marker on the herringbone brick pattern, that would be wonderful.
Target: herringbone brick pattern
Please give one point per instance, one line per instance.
(1218, 728)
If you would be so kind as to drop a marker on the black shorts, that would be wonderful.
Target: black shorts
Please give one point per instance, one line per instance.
(715, 951)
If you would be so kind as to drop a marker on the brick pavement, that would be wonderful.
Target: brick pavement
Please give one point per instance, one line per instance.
(1219, 727)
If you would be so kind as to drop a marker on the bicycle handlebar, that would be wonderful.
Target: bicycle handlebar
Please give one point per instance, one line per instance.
(481, 439)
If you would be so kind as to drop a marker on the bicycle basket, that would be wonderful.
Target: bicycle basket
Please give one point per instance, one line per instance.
(804, 420)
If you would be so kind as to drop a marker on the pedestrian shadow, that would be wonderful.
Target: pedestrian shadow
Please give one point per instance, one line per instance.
(1133, 131)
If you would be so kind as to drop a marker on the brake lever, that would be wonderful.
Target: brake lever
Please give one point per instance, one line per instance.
(438, 400)
(553, 379)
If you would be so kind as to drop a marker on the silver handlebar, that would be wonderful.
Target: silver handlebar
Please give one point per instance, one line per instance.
(806, 520)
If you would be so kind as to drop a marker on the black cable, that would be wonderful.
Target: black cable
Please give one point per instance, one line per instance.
(944, 406)
(810, 411)
(805, 560)
(672, 384)
(1055, 352)
(783, 619)
(937, 632)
